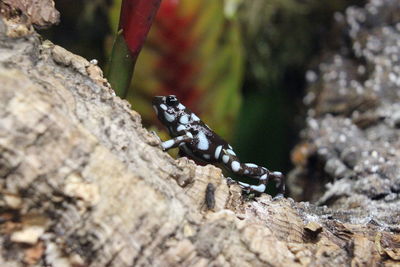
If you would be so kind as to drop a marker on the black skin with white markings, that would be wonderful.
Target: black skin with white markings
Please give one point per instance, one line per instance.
(196, 140)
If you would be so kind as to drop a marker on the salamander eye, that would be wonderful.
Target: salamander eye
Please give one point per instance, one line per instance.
(171, 100)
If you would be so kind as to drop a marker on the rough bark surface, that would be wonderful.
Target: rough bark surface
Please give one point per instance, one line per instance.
(40, 13)
(84, 184)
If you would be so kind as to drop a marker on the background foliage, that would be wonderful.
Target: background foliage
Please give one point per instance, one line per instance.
(194, 52)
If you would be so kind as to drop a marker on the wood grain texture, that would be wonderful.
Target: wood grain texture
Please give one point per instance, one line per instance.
(84, 184)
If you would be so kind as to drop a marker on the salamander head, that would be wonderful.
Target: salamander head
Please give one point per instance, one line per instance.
(168, 109)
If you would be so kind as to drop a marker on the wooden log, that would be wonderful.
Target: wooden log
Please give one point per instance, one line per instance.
(84, 184)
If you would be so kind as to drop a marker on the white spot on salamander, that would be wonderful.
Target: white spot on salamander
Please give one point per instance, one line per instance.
(184, 119)
(217, 152)
(189, 134)
(235, 166)
(277, 173)
(230, 151)
(169, 117)
(194, 117)
(251, 165)
(203, 141)
(167, 144)
(260, 188)
(181, 107)
(164, 107)
(181, 128)
(206, 156)
(225, 158)
(264, 177)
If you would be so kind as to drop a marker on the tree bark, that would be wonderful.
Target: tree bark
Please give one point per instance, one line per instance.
(84, 184)
(348, 157)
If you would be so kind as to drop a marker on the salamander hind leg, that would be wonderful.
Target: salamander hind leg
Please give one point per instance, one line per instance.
(252, 188)
(231, 162)
(261, 174)
(277, 177)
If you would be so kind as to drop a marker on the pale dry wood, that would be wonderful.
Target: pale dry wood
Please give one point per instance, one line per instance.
(84, 184)
(40, 13)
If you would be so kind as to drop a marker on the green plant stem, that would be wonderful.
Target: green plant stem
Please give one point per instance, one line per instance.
(122, 64)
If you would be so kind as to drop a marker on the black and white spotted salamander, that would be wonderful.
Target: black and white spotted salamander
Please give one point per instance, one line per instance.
(196, 140)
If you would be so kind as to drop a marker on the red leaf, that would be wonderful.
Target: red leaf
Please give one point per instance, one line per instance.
(176, 65)
(135, 21)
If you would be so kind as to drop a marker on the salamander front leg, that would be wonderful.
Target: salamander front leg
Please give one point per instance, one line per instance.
(172, 143)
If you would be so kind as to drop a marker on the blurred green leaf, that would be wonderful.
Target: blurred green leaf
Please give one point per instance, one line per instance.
(135, 20)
